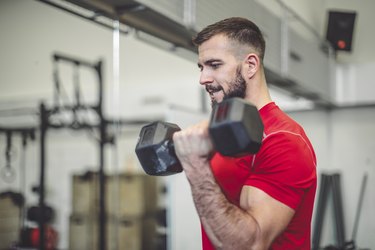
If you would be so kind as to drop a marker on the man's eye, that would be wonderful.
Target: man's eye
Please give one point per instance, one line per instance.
(215, 66)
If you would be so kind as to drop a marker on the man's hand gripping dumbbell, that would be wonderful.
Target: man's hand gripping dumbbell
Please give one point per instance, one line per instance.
(235, 128)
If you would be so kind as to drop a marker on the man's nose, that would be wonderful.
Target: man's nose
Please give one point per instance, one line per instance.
(205, 78)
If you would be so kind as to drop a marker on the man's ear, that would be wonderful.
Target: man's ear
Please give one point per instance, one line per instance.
(252, 65)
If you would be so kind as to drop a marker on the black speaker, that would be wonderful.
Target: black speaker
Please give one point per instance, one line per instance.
(340, 29)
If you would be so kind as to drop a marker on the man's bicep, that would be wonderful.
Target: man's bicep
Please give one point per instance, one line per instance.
(272, 215)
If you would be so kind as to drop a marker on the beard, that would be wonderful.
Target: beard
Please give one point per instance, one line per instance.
(237, 88)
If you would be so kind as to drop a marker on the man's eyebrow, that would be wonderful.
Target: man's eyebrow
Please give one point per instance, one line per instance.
(208, 62)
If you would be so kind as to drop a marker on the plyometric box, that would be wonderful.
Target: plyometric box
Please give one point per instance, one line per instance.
(9, 222)
(126, 195)
(126, 233)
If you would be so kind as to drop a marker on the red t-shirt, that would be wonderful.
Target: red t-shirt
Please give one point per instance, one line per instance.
(284, 168)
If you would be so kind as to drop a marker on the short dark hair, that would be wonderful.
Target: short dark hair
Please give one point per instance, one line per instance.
(237, 29)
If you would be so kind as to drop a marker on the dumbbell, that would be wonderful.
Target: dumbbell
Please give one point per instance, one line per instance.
(235, 129)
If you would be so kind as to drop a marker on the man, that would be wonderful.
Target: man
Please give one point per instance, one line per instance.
(261, 201)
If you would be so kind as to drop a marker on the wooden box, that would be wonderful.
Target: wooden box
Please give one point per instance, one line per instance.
(127, 233)
(125, 195)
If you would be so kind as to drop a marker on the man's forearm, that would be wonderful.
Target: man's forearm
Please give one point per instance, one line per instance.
(227, 226)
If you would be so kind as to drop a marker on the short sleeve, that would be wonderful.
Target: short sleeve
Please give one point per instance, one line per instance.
(284, 168)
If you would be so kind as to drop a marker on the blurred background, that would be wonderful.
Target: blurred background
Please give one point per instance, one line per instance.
(79, 78)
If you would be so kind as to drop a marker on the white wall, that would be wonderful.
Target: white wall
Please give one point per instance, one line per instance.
(150, 80)
(344, 141)
(29, 41)
(30, 33)
(344, 138)
(354, 84)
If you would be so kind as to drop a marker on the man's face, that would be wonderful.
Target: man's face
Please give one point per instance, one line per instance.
(220, 70)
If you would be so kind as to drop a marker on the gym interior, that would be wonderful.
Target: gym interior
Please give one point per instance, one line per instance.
(79, 79)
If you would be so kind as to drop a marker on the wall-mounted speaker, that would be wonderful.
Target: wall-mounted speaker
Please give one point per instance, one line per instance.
(340, 29)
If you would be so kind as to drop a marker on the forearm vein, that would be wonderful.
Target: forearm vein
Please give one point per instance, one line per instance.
(227, 226)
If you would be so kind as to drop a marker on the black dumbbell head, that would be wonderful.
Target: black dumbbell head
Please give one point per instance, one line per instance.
(236, 127)
(155, 149)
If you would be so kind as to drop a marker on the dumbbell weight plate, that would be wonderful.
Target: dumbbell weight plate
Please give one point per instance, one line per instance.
(236, 127)
(155, 149)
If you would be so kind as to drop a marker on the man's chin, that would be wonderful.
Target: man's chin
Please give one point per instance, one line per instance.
(217, 97)
(216, 101)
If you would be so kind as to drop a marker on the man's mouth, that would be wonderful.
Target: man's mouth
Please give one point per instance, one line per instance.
(214, 93)
(212, 90)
